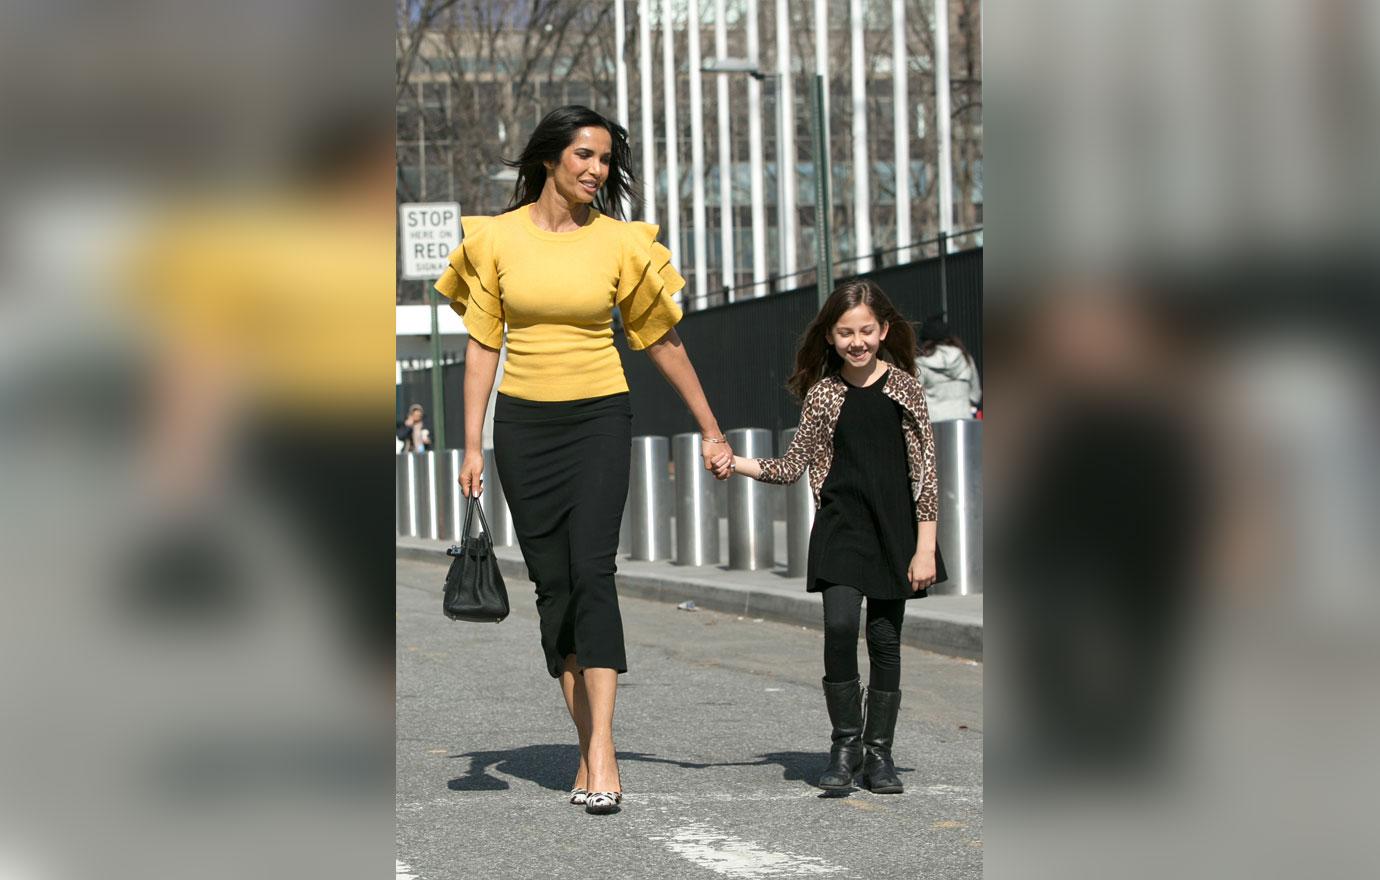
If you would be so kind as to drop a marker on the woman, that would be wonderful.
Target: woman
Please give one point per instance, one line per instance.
(551, 270)
(948, 373)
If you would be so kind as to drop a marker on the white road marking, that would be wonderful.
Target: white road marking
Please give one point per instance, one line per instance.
(724, 796)
(734, 857)
(404, 872)
(962, 793)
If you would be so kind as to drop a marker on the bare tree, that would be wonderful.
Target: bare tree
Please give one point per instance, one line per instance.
(415, 19)
(965, 103)
(474, 76)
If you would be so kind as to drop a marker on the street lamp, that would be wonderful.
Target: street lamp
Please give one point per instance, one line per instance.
(824, 272)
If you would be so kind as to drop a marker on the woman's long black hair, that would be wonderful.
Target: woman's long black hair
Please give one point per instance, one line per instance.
(553, 134)
(816, 357)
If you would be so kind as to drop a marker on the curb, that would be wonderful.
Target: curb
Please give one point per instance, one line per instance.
(929, 630)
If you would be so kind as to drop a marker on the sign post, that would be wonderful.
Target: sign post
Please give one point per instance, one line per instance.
(430, 231)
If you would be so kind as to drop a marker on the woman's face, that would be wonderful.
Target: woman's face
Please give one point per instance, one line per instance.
(857, 336)
(584, 165)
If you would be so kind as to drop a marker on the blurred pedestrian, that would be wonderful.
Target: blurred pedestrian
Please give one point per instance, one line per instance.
(946, 369)
(865, 437)
(412, 433)
(551, 270)
(248, 301)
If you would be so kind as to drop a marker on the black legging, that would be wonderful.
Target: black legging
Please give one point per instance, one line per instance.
(842, 605)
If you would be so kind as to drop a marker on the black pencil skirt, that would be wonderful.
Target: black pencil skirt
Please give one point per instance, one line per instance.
(564, 469)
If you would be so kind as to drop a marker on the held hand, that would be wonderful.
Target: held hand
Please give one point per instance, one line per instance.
(472, 475)
(724, 463)
(746, 467)
(921, 571)
(718, 459)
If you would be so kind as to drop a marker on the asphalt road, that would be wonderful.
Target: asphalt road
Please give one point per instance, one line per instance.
(721, 731)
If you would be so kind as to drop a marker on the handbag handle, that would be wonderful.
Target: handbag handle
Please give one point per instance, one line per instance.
(469, 514)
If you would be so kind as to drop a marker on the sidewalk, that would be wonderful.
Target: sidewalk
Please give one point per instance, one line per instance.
(943, 624)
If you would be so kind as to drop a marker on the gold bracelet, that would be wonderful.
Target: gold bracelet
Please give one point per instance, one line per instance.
(714, 439)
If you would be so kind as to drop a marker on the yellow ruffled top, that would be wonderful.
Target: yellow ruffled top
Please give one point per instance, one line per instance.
(555, 292)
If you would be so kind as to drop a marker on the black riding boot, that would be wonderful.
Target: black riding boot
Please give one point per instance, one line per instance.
(879, 774)
(844, 699)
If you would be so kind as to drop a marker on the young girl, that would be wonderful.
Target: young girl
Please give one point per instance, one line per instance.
(865, 436)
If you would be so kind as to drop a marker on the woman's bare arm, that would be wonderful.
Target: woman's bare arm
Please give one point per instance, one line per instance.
(669, 355)
(481, 365)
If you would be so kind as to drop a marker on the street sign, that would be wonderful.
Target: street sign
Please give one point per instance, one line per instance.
(430, 231)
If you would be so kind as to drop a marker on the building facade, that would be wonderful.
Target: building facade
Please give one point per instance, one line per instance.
(474, 81)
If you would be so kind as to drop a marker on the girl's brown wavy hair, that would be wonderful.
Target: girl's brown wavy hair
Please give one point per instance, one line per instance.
(816, 357)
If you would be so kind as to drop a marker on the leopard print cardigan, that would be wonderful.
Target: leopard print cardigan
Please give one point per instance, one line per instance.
(813, 445)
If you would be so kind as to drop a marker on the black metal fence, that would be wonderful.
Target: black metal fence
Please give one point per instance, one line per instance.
(416, 388)
(745, 351)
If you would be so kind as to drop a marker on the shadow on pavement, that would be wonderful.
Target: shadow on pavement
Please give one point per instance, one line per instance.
(796, 766)
(801, 766)
(552, 766)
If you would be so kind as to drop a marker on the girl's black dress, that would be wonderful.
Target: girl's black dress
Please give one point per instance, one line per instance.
(864, 531)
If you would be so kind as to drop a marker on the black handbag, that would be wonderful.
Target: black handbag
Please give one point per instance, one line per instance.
(474, 586)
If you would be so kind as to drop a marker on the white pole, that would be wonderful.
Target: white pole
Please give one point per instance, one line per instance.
(668, 77)
(421, 143)
(759, 217)
(786, 98)
(697, 158)
(620, 25)
(900, 102)
(822, 50)
(822, 68)
(450, 151)
(730, 277)
(862, 203)
(644, 69)
(942, 113)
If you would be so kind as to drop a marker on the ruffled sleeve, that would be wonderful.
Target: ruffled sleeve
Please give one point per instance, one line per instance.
(646, 285)
(471, 283)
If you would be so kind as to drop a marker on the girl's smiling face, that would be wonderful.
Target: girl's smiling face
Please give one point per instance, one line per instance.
(857, 336)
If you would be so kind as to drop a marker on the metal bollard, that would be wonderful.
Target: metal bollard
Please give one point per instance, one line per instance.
(649, 505)
(751, 534)
(429, 493)
(697, 520)
(958, 449)
(800, 516)
(720, 495)
(452, 500)
(495, 504)
(405, 482)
